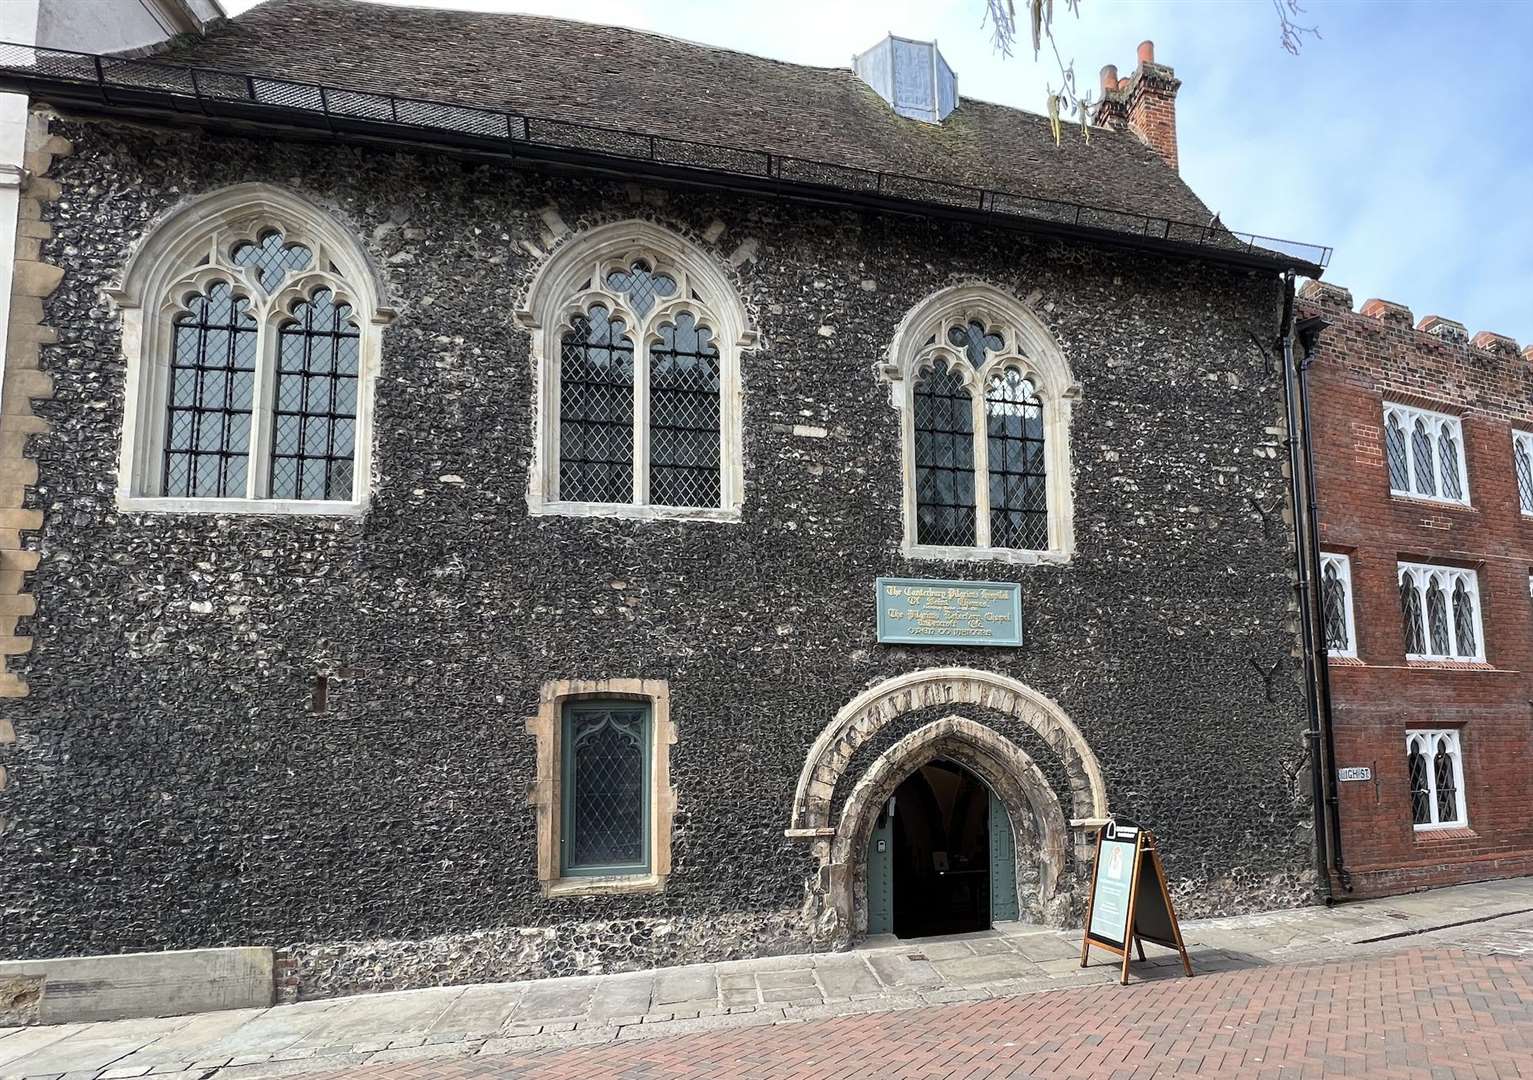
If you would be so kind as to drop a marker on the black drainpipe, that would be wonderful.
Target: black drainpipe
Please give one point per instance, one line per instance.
(1309, 337)
(1302, 578)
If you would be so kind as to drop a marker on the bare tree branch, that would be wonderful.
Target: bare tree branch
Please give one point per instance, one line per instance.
(1293, 33)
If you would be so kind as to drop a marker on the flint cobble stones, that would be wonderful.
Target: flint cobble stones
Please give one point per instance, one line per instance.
(170, 788)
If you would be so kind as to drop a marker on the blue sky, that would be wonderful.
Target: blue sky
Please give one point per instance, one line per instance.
(1401, 137)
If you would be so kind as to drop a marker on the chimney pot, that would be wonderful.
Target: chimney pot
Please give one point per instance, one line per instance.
(1122, 84)
(1147, 52)
(1110, 78)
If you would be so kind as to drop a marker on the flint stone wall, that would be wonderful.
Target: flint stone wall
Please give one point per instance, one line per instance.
(170, 789)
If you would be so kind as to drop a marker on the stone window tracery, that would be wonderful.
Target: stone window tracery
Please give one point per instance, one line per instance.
(1522, 457)
(639, 399)
(1424, 454)
(1336, 602)
(250, 324)
(1435, 770)
(986, 395)
(1440, 608)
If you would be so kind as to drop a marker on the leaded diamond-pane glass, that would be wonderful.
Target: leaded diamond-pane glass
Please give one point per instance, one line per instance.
(314, 413)
(1334, 597)
(1523, 454)
(1019, 511)
(211, 379)
(1437, 618)
(975, 341)
(1394, 450)
(1421, 795)
(1463, 620)
(1410, 609)
(272, 258)
(1421, 460)
(641, 286)
(1447, 452)
(596, 410)
(684, 416)
(944, 459)
(1446, 784)
(605, 823)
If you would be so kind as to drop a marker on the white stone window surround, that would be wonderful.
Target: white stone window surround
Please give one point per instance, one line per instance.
(184, 253)
(1435, 425)
(1343, 568)
(1029, 348)
(1522, 464)
(1421, 576)
(1428, 741)
(569, 284)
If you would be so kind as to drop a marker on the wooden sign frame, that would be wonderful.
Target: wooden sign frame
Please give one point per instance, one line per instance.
(1146, 858)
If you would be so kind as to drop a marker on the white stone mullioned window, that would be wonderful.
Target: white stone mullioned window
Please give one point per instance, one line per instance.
(251, 329)
(1425, 454)
(1440, 609)
(1435, 765)
(1336, 604)
(636, 343)
(984, 394)
(1522, 461)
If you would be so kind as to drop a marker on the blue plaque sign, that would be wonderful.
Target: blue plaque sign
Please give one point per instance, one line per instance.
(914, 611)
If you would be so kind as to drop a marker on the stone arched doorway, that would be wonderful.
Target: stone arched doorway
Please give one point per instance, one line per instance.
(941, 858)
(837, 902)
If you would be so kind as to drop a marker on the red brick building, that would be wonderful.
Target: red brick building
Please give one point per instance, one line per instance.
(1423, 445)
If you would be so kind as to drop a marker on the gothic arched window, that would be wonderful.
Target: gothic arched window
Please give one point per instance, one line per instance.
(1439, 606)
(1522, 456)
(1424, 452)
(1336, 604)
(1435, 768)
(985, 394)
(250, 324)
(637, 336)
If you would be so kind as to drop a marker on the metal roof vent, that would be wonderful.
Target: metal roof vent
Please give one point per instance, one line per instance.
(911, 76)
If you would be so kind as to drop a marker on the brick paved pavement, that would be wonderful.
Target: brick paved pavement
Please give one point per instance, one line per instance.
(1439, 1013)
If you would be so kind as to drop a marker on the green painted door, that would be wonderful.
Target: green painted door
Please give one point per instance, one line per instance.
(881, 876)
(1003, 865)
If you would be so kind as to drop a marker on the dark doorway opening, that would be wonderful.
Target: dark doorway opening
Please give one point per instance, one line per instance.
(941, 852)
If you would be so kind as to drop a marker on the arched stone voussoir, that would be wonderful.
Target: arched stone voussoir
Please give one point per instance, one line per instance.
(1038, 822)
(868, 712)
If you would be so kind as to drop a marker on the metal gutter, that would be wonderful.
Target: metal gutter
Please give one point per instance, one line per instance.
(240, 101)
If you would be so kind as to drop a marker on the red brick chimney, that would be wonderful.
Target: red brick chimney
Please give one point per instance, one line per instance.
(1144, 104)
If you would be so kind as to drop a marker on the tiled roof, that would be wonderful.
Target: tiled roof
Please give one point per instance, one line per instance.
(568, 70)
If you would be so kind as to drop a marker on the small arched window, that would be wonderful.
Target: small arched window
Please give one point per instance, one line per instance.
(985, 394)
(250, 325)
(1435, 768)
(1424, 453)
(1439, 606)
(637, 338)
(1336, 603)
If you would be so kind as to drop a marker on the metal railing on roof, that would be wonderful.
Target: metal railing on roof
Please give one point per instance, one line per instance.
(116, 80)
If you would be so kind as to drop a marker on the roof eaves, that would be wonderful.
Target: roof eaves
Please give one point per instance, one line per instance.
(211, 96)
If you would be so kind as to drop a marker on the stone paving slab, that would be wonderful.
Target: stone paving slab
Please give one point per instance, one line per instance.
(414, 1029)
